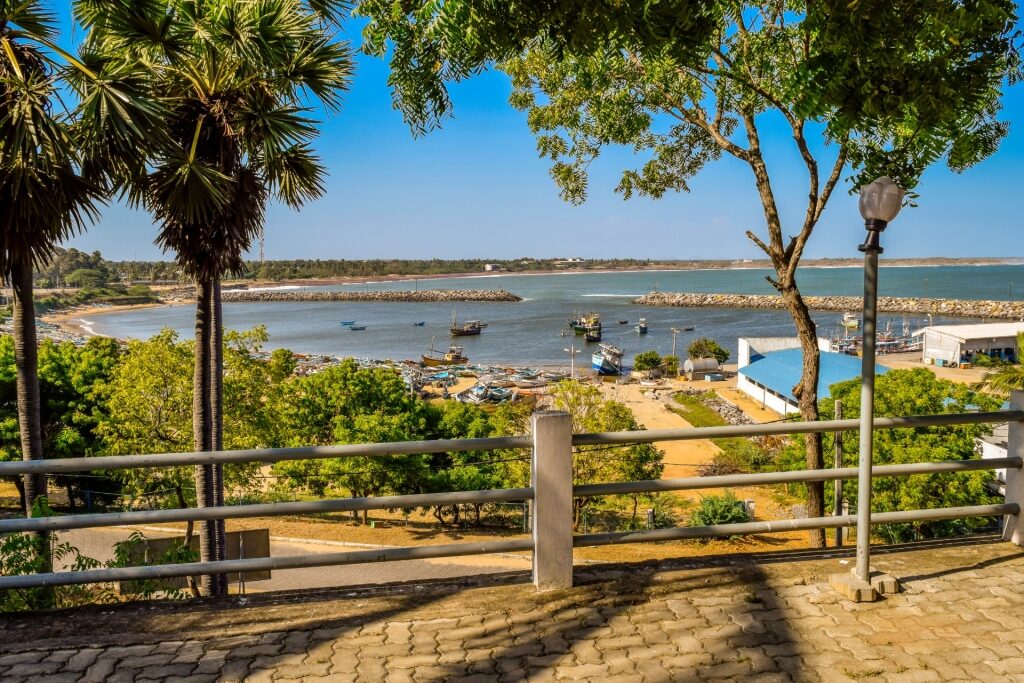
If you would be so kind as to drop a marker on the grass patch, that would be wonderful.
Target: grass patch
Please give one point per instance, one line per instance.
(739, 454)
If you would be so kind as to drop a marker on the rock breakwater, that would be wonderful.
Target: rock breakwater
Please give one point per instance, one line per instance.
(1006, 310)
(427, 295)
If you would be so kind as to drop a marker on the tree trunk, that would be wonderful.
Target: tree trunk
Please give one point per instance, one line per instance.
(189, 529)
(201, 428)
(26, 362)
(217, 418)
(806, 393)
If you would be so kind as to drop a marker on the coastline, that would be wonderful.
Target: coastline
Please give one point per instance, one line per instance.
(684, 266)
(75, 320)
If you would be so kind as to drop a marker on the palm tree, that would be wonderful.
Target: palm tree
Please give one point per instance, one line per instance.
(233, 75)
(1006, 377)
(50, 180)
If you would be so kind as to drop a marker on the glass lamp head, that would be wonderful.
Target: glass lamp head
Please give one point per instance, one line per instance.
(881, 200)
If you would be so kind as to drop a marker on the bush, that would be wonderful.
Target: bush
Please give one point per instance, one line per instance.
(725, 509)
(648, 360)
(707, 348)
(670, 364)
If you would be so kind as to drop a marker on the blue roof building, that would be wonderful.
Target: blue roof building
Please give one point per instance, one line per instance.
(769, 377)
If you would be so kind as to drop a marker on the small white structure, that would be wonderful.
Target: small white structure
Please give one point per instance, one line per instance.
(995, 445)
(490, 267)
(698, 368)
(956, 344)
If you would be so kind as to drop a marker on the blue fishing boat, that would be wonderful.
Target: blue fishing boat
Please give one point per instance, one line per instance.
(345, 323)
(421, 323)
(607, 360)
(641, 327)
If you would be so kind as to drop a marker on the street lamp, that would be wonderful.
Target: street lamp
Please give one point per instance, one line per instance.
(572, 351)
(880, 201)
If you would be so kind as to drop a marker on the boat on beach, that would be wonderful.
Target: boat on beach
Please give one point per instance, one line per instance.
(453, 356)
(607, 360)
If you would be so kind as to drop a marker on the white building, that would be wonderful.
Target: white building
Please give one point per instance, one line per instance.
(769, 367)
(955, 344)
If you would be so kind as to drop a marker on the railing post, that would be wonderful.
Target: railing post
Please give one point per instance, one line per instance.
(1013, 525)
(551, 478)
(837, 499)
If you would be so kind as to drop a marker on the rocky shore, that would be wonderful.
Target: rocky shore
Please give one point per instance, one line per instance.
(1007, 310)
(427, 295)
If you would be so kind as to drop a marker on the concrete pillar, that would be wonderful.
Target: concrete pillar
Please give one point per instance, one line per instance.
(1013, 525)
(551, 478)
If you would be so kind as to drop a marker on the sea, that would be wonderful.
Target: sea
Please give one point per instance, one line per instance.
(534, 332)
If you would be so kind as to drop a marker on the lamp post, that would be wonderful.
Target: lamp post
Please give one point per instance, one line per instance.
(880, 201)
(675, 333)
(572, 351)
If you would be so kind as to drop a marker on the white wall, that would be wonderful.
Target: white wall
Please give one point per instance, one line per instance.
(759, 394)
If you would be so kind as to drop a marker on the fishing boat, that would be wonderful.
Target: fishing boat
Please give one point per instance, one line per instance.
(607, 360)
(466, 329)
(623, 322)
(346, 323)
(641, 326)
(357, 328)
(453, 356)
(587, 321)
(851, 321)
(592, 335)
(421, 323)
(688, 329)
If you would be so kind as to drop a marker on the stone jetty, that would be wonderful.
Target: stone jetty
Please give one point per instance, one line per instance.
(426, 295)
(1007, 310)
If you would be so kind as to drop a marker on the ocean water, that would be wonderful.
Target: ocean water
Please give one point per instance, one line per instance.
(531, 332)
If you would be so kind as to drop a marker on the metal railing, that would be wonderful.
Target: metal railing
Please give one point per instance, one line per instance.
(551, 493)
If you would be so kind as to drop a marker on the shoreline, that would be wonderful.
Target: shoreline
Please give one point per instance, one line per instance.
(685, 266)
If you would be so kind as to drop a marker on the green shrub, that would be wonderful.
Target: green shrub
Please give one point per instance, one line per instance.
(707, 348)
(648, 360)
(724, 509)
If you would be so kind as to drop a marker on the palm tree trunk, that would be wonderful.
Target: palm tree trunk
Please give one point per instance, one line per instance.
(201, 431)
(217, 418)
(26, 359)
(26, 362)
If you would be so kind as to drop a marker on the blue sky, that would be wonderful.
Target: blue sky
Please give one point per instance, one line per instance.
(477, 188)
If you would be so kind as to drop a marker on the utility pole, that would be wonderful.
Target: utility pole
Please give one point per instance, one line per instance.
(675, 333)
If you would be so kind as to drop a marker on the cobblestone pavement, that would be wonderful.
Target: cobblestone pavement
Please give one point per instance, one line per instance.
(761, 618)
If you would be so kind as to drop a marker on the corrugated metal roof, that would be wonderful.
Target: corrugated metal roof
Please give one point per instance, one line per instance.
(781, 370)
(976, 331)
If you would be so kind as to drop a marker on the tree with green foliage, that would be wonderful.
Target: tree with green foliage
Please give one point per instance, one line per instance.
(232, 75)
(344, 404)
(590, 412)
(51, 175)
(72, 385)
(702, 347)
(1004, 377)
(871, 87)
(913, 392)
(648, 360)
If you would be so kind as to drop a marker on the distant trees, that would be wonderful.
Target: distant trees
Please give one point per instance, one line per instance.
(703, 347)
